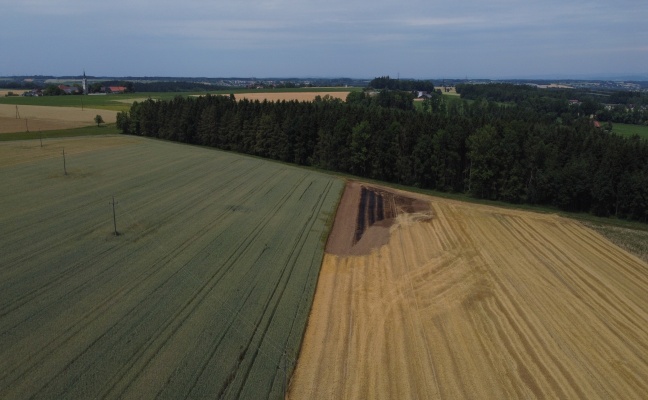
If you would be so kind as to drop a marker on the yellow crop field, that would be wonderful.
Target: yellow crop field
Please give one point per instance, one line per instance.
(14, 92)
(299, 96)
(427, 298)
(24, 118)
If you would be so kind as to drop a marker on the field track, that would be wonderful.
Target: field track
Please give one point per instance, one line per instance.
(43, 118)
(469, 301)
(204, 294)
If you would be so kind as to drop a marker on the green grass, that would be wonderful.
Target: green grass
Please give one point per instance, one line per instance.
(208, 285)
(118, 102)
(109, 129)
(632, 240)
(631, 130)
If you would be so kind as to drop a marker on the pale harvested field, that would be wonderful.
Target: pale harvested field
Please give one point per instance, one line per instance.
(4, 92)
(45, 118)
(476, 302)
(299, 96)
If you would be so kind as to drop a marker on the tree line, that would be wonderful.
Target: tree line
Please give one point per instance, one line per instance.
(385, 82)
(607, 106)
(509, 153)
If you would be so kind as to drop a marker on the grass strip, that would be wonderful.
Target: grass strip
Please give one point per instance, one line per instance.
(109, 129)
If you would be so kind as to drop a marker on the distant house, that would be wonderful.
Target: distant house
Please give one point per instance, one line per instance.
(33, 93)
(574, 103)
(117, 89)
(68, 89)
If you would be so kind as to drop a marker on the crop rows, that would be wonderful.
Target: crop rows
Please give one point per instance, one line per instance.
(477, 302)
(204, 293)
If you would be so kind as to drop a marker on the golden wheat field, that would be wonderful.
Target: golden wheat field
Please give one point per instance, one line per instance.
(468, 301)
(43, 118)
(15, 92)
(299, 96)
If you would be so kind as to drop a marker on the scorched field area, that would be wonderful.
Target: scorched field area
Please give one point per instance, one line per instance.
(203, 294)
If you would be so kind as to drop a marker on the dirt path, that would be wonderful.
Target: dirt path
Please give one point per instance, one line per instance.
(475, 302)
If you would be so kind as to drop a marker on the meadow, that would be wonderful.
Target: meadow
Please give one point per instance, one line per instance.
(204, 292)
(631, 130)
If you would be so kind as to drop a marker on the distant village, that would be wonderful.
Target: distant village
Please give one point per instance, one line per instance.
(76, 90)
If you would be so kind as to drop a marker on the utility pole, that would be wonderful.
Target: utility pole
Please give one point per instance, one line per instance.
(64, 169)
(40, 136)
(114, 216)
(285, 374)
(17, 113)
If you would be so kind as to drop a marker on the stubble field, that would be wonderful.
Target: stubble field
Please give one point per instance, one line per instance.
(427, 298)
(44, 118)
(204, 293)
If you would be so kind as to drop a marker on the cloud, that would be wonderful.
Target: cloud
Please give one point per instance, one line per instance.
(443, 22)
(377, 35)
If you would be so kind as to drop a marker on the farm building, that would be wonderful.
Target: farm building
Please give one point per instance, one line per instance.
(68, 89)
(116, 89)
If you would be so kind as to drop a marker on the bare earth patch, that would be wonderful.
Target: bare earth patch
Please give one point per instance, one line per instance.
(35, 118)
(470, 301)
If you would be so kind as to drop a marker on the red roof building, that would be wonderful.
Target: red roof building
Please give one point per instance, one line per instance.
(117, 89)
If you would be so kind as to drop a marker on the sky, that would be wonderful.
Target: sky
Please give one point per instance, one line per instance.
(336, 38)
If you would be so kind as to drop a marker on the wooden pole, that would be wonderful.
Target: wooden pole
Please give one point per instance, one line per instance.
(64, 169)
(114, 216)
(285, 356)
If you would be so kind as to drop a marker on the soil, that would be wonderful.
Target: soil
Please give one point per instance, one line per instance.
(374, 210)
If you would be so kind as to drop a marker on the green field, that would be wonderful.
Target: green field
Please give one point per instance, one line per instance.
(94, 130)
(631, 130)
(204, 294)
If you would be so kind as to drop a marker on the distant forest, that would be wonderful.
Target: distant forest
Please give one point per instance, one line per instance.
(533, 150)
(606, 105)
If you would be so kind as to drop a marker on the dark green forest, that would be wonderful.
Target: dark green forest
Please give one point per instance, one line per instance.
(534, 153)
(385, 82)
